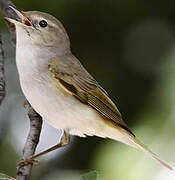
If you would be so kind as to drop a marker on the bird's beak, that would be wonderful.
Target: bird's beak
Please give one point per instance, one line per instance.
(24, 20)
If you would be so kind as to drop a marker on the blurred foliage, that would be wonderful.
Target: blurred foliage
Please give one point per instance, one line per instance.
(129, 47)
(5, 177)
(90, 176)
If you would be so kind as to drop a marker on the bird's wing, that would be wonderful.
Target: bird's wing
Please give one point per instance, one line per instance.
(80, 84)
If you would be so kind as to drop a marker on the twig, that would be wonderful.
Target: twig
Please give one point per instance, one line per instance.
(8, 12)
(24, 173)
(2, 81)
(31, 143)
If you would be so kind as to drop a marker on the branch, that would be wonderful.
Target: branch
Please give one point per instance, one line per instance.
(31, 143)
(8, 12)
(2, 81)
(24, 173)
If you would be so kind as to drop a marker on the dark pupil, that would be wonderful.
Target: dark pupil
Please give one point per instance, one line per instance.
(43, 23)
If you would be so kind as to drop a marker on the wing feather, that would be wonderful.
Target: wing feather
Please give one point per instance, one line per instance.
(85, 88)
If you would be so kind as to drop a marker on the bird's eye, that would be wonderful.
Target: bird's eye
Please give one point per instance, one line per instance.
(43, 23)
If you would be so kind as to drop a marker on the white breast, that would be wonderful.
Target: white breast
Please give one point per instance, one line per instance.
(57, 107)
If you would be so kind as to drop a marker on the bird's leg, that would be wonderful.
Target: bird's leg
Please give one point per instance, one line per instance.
(65, 139)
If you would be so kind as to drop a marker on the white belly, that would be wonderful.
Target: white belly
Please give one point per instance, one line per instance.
(60, 109)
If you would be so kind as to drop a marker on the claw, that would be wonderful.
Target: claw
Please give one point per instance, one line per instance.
(24, 162)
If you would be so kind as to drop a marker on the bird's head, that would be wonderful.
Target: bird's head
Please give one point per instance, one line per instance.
(41, 29)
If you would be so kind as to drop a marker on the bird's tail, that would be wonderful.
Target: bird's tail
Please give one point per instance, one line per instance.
(126, 137)
(140, 145)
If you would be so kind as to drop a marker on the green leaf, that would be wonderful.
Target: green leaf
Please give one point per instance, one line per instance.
(90, 175)
(5, 177)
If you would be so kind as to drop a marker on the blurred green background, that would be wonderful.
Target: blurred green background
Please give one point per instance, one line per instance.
(129, 47)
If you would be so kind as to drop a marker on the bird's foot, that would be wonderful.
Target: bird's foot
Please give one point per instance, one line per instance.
(26, 161)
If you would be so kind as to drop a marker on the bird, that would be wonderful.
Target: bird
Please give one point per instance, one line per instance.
(60, 89)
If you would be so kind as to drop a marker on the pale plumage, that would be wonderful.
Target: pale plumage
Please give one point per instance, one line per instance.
(58, 86)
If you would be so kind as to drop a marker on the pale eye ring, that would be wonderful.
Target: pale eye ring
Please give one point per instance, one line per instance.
(43, 23)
